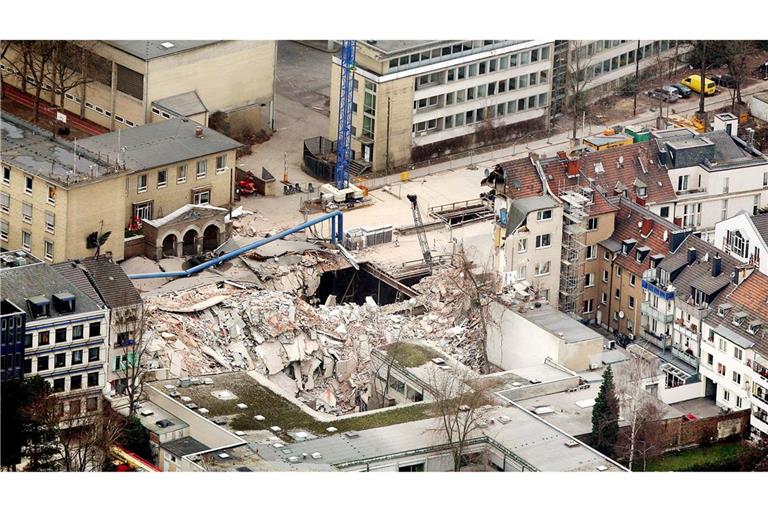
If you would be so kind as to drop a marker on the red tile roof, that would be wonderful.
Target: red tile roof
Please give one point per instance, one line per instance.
(751, 295)
(522, 179)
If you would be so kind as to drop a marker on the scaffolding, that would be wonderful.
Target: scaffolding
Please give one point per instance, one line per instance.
(576, 205)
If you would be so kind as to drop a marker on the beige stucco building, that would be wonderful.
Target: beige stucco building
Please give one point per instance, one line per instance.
(140, 81)
(434, 95)
(55, 194)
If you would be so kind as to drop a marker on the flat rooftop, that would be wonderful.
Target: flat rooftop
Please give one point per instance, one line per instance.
(38, 152)
(559, 324)
(153, 49)
(396, 46)
(160, 421)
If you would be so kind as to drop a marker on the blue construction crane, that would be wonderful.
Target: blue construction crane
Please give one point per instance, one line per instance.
(346, 93)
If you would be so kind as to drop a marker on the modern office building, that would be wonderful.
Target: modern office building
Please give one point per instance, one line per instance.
(12, 332)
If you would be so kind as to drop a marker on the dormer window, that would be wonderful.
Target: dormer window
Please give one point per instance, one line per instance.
(641, 189)
(724, 309)
(64, 302)
(39, 306)
(642, 252)
(754, 326)
(627, 245)
(738, 318)
(699, 297)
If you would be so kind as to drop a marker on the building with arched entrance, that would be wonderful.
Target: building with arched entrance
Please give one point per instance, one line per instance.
(189, 231)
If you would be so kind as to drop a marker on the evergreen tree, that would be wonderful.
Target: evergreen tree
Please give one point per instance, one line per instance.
(40, 417)
(605, 416)
(136, 438)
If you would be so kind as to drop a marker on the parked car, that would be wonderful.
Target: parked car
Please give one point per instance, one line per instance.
(682, 91)
(664, 94)
(693, 82)
(724, 81)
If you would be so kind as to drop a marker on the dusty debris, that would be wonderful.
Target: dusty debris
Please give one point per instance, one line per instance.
(321, 354)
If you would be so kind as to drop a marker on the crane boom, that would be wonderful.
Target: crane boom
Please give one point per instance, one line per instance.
(420, 232)
(344, 135)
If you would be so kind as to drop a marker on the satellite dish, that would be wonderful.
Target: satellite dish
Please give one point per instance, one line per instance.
(486, 172)
(516, 183)
(621, 314)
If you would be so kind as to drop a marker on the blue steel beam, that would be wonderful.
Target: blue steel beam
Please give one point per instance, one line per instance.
(337, 236)
(344, 134)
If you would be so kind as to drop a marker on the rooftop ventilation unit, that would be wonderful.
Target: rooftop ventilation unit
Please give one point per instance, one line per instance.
(223, 455)
(147, 412)
(351, 434)
(167, 45)
(571, 444)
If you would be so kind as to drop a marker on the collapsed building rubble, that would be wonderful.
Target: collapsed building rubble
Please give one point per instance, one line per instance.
(320, 353)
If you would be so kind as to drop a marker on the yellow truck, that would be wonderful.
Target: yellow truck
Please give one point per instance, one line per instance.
(693, 82)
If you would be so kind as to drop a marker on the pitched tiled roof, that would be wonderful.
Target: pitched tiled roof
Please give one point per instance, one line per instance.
(522, 179)
(761, 225)
(111, 282)
(558, 180)
(73, 273)
(639, 161)
(626, 227)
(750, 296)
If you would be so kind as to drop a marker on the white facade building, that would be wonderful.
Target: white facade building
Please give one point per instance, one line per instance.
(744, 237)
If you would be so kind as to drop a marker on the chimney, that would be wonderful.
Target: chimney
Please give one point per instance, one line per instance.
(640, 200)
(691, 255)
(716, 265)
(647, 226)
(199, 132)
(678, 221)
(572, 170)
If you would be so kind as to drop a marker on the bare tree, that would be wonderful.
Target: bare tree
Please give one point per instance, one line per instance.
(736, 53)
(68, 66)
(639, 408)
(130, 324)
(458, 401)
(85, 442)
(577, 79)
(32, 59)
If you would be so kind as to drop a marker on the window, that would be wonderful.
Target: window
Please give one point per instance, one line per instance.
(522, 272)
(74, 407)
(94, 353)
(755, 204)
(77, 332)
(411, 468)
(26, 212)
(682, 183)
(92, 402)
(605, 276)
(4, 230)
(472, 70)
(524, 58)
(632, 279)
(51, 195)
(618, 271)
(26, 240)
(535, 55)
(592, 224)
(202, 169)
(181, 174)
(141, 183)
(736, 377)
(522, 245)
(42, 363)
(50, 222)
(631, 302)
(722, 345)
(512, 83)
(522, 81)
(48, 250)
(7, 175)
(28, 184)
(726, 185)
(449, 98)
(589, 280)
(61, 335)
(737, 353)
(726, 396)
(60, 360)
(58, 385)
(28, 365)
(470, 117)
(93, 379)
(603, 298)
(591, 252)
(5, 202)
(630, 326)
(28, 340)
(77, 357)
(43, 338)
(448, 122)
(544, 215)
(738, 402)
(459, 119)
(143, 210)
(724, 210)
(765, 179)
(75, 382)
(617, 294)
(664, 211)
(130, 82)
(162, 178)
(201, 196)
(543, 241)
(542, 269)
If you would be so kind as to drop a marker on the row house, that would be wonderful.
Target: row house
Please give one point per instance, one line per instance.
(734, 352)
(745, 237)
(66, 331)
(715, 175)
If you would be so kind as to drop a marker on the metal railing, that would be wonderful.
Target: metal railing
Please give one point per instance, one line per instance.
(515, 460)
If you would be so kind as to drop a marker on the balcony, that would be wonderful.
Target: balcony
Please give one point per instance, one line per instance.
(651, 312)
(685, 356)
(656, 290)
(661, 341)
(760, 393)
(689, 330)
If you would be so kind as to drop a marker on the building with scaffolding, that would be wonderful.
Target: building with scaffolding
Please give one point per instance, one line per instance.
(573, 278)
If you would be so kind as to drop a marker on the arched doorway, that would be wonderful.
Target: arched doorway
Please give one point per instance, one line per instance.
(211, 238)
(169, 246)
(190, 243)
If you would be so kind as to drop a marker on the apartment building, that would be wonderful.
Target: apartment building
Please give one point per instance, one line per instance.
(414, 99)
(57, 199)
(65, 336)
(12, 332)
(734, 352)
(603, 67)
(715, 174)
(131, 83)
(106, 283)
(528, 230)
(745, 237)
(637, 246)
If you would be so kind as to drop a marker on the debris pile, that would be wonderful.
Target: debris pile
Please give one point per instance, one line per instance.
(320, 354)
